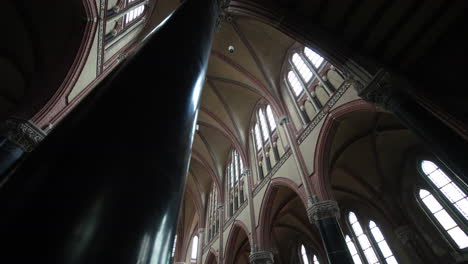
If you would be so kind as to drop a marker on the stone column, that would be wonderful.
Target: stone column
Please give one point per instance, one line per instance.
(325, 214)
(394, 93)
(221, 232)
(106, 185)
(17, 138)
(261, 257)
(201, 232)
(284, 122)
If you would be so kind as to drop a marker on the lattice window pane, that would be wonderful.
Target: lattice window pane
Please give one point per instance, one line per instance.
(353, 251)
(302, 68)
(258, 137)
(264, 125)
(295, 83)
(316, 260)
(313, 57)
(194, 247)
(271, 118)
(305, 259)
(446, 186)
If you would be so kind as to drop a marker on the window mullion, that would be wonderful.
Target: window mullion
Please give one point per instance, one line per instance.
(316, 73)
(448, 206)
(374, 244)
(295, 102)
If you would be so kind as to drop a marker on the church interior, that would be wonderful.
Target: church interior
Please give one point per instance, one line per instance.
(327, 131)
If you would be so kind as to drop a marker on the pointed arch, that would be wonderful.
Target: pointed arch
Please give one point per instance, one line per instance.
(265, 209)
(321, 180)
(237, 228)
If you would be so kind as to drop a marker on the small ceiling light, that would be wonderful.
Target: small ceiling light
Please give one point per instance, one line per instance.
(231, 49)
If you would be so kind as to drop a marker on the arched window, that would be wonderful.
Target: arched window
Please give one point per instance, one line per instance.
(265, 137)
(134, 13)
(447, 204)
(193, 256)
(174, 246)
(307, 82)
(213, 218)
(235, 174)
(305, 257)
(368, 244)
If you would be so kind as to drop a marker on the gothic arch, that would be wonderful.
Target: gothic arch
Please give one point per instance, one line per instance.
(265, 210)
(320, 179)
(237, 228)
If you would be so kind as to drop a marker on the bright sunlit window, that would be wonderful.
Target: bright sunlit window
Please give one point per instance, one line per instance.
(447, 204)
(305, 259)
(295, 84)
(446, 186)
(382, 244)
(134, 13)
(301, 67)
(352, 249)
(271, 118)
(313, 57)
(194, 248)
(362, 239)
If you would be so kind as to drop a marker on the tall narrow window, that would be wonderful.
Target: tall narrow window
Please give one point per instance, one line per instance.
(212, 217)
(352, 249)
(313, 57)
(235, 182)
(271, 118)
(194, 248)
(446, 186)
(258, 137)
(295, 83)
(302, 68)
(381, 243)
(304, 257)
(448, 203)
(263, 125)
(174, 246)
(316, 260)
(444, 219)
(374, 249)
(362, 239)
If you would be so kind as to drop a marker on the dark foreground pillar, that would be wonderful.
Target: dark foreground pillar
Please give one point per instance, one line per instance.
(17, 137)
(324, 214)
(105, 186)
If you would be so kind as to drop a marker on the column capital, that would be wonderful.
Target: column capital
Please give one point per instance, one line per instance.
(386, 89)
(405, 234)
(261, 257)
(282, 120)
(220, 206)
(201, 230)
(23, 133)
(319, 210)
(223, 15)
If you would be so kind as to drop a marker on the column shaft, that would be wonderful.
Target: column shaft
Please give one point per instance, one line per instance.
(106, 185)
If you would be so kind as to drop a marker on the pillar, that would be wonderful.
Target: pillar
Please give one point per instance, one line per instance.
(106, 184)
(395, 94)
(407, 237)
(201, 232)
(325, 214)
(221, 233)
(261, 257)
(17, 138)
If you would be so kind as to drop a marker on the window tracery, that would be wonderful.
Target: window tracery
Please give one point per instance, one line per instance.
(446, 203)
(367, 245)
(305, 256)
(311, 81)
(213, 216)
(235, 175)
(265, 140)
